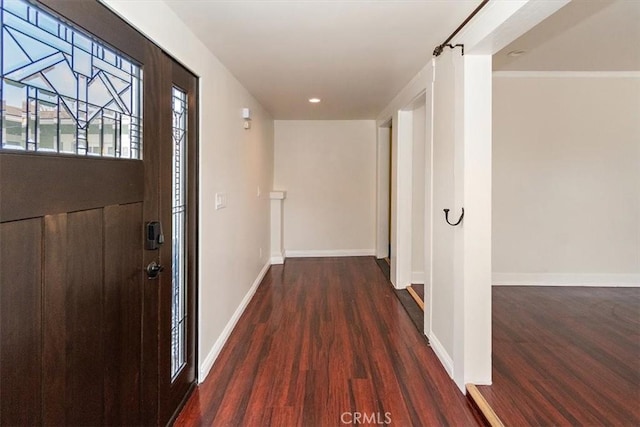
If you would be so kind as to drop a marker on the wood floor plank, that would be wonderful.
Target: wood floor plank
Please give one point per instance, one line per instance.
(419, 290)
(487, 411)
(566, 356)
(320, 340)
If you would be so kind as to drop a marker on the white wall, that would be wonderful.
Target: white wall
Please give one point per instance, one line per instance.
(418, 196)
(383, 189)
(232, 160)
(476, 304)
(328, 168)
(566, 194)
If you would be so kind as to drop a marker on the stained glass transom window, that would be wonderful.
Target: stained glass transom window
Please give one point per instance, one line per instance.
(178, 205)
(64, 91)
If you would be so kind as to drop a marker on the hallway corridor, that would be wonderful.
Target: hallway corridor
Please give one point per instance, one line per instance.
(325, 342)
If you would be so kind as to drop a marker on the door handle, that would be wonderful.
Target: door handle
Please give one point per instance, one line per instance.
(154, 269)
(446, 217)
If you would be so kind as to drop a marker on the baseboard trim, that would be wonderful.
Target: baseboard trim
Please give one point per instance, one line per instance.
(329, 253)
(566, 279)
(277, 260)
(208, 361)
(441, 353)
(569, 74)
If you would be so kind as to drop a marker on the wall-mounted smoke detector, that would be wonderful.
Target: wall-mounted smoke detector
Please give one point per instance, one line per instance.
(516, 53)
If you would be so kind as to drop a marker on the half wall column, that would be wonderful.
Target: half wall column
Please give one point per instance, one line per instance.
(277, 217)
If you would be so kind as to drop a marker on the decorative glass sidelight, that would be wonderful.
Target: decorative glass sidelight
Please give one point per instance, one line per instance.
(63, 91)
(178, 288)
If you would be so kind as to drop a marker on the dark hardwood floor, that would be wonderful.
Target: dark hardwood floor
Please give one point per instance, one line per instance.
(413, 309)
(418, 289)
(321, 340)
(384, 265)
(566, 356)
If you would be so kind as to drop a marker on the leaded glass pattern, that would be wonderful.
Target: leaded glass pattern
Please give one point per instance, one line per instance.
(63, 91)
(178, 205)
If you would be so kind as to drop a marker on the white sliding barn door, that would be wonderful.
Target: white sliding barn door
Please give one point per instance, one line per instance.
(461, 255)
(447, 194)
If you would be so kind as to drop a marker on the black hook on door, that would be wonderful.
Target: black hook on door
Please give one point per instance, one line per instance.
(446, 217)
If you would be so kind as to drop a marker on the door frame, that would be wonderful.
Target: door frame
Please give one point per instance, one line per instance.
(497, 25)
(401, 213)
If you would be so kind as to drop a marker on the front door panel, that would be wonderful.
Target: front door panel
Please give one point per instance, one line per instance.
(83, 330)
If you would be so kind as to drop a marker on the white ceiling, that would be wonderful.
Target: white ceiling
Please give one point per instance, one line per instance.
(355, 55)
(585, 35)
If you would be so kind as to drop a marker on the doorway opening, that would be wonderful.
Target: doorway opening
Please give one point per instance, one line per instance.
(404, 203)
(384, 197)
(566, 142)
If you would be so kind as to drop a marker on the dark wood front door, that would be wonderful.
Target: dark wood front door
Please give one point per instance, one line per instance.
(85, 333)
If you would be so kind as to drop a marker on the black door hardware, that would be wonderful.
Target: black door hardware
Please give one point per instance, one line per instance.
(153, 270)
(446, 217)
(154, 236)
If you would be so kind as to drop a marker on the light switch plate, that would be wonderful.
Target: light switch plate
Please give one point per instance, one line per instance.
(220, 200)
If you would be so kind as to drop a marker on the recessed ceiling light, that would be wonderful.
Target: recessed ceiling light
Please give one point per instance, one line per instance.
(314, 100)
(516, 53)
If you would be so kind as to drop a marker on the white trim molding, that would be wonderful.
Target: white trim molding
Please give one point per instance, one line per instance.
(501, 22)
(402, 198)
(569, 74)
(277, 260)
(441, 353)
(277, 226)
(329, 253)
(566, 279)
(208, 361)
(417, 277)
